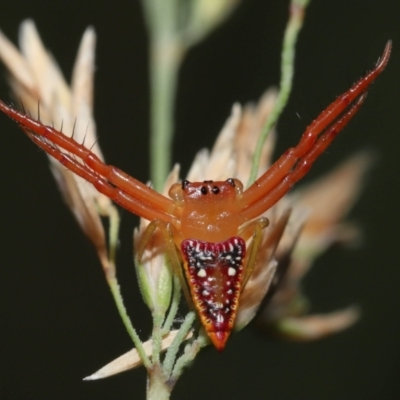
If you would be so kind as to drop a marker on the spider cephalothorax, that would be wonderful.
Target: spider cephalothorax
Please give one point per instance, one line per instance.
(207, 224)
(208, 210)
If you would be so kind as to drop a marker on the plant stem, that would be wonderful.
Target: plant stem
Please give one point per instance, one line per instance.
(179, 338)
(188, 356)
(173, 307)
(110, 272)
(166, 51)
(157, 387)
(296, 17)
(156, 336)
(164, 67)
(115, 290)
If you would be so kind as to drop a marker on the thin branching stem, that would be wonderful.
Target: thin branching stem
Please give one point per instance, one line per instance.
(296, 16)
(164, 67)
(116, 292)
(166, 52)
(157, 336)
(179, 338)
(188, 356)
(176, 296)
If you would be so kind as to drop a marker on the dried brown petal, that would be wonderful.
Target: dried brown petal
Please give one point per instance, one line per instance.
(131, 359)
(264, 271)
(328, 200)
(314, 327)
(37, 82)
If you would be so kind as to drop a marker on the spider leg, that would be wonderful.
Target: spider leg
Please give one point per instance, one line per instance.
(170, 236)
(254, 229)
(126, 191)
(302, 166)
(247, 231)
(104, 186)
(279, 178)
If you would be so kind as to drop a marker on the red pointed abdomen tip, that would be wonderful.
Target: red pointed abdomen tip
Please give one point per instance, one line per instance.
(219, 339)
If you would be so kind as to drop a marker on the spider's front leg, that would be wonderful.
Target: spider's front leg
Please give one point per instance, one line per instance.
(296, 162)
(123, 189)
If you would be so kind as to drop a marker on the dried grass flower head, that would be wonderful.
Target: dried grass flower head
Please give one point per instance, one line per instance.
(39, 86)
(298, 233)
(299, 228)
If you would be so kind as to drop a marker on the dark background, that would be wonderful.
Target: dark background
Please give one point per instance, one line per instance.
(58, 320)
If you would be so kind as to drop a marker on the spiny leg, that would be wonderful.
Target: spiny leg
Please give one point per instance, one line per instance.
(290, 158)
(302, 167)
(102, 185)
(145, 196)
(169, 235)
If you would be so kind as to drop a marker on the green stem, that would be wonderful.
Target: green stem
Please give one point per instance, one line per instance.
(156, 336)
(115, 290)
(157, 386)
(296, 17)
(166, 51)
(188, 356)
(114, 220)
(173, 307)
(179, 338)
(112, 281)
(164, 68)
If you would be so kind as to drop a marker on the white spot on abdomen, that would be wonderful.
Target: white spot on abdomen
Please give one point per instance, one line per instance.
(202, 273)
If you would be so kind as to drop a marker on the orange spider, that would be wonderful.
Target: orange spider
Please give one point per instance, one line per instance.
(206, 224)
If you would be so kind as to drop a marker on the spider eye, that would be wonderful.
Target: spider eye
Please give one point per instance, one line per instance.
(231, 182)
(215, 189)
(204, 190)
(185, 184)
